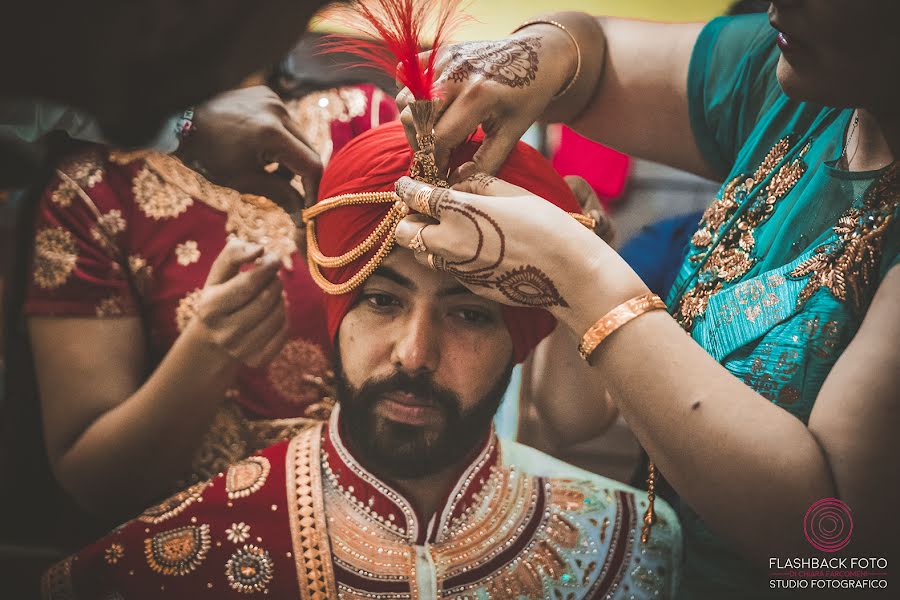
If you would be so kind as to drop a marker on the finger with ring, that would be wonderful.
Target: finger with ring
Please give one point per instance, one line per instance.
(417, 244)
(435, 262)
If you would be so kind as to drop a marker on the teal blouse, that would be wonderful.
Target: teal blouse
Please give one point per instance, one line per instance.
(789, 254)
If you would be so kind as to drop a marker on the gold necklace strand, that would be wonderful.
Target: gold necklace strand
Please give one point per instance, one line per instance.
(348, 200)
(312, 243)
(373, 263)
(650, 514)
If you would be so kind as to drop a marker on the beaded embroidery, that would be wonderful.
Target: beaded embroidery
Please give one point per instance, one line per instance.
(727, 248)
(848, 266)
(247, 477)
(178, 551)
(249, 569)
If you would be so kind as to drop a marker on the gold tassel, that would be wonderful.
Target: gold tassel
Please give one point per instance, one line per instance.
(424, 167)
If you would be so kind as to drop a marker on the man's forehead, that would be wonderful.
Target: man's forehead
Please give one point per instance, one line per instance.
(401, 267)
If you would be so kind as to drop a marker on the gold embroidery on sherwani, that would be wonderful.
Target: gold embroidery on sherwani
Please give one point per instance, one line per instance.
(306, 507)
(729, 251)
(301, 373)
(155, 198)
(187, 253)
(84, 171)
(848, 266)
(251, 218)
(178, 551)
(317, 111)
(114, 553)
(112, 223)
(247, 477)
(174, 505)
(250, 569)
(55, 256)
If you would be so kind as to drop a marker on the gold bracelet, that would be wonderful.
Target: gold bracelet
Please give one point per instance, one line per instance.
(572, 81)
(623, 313)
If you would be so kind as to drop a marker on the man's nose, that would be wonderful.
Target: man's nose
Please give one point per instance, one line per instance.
(417, 348)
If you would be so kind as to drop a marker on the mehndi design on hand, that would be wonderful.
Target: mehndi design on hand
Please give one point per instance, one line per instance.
(512, 62)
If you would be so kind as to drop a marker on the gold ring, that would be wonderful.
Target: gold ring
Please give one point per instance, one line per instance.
(417, 244)
(431, 261)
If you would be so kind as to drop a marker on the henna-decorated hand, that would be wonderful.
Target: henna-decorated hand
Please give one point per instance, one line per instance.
(511, 246)
(503, 85)
(468, 235)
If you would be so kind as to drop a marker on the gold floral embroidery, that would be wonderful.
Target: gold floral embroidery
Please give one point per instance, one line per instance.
(55, 255)
(141, 271)
(114, 306)
(175, 505)
(112, 223)
(316, 112)
(178, 551)
(114, 554)
(187, 309)
(247, 477)
(85, 171)
(848, 266)
(238, 533)
(726, 248)
(301, 373)
(249, 570)
(251, 218)
(155, 198)
(187, 253)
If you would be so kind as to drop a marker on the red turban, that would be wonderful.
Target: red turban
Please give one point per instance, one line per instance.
(373, 162)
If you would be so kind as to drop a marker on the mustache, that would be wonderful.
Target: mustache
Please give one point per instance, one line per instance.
(423, 387)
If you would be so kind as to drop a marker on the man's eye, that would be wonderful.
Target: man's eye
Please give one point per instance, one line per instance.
(474, 317)
(381, 300)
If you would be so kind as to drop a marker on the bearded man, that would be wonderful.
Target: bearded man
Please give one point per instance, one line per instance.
(406, 492)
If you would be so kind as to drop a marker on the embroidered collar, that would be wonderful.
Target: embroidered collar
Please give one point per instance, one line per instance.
(385, 504)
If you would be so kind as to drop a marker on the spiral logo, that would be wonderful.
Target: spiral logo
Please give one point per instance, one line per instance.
(828, 525)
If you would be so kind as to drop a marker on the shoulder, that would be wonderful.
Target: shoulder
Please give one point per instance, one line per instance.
(196, 541)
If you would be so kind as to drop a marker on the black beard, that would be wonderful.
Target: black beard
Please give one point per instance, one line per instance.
(392, 450)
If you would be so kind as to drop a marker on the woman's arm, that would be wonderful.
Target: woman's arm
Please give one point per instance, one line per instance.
(560, 392)
(631, 92)
(109, 427)
(748, 467)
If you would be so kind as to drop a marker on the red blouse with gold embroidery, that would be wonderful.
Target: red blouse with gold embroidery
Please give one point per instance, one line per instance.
(135, 234)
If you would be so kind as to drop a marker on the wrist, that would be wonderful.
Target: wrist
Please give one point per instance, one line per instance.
(206, 350)
(585, 55)
(555, 41)
(603, 281)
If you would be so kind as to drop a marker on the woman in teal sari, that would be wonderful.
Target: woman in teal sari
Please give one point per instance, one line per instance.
(785, 390)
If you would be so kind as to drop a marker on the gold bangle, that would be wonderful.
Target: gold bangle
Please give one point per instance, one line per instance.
(559, 25)
(623, 313)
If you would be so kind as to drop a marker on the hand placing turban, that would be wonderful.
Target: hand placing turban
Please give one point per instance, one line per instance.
(366, 170)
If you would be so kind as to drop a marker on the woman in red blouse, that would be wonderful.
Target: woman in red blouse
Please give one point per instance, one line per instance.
(163, 350)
